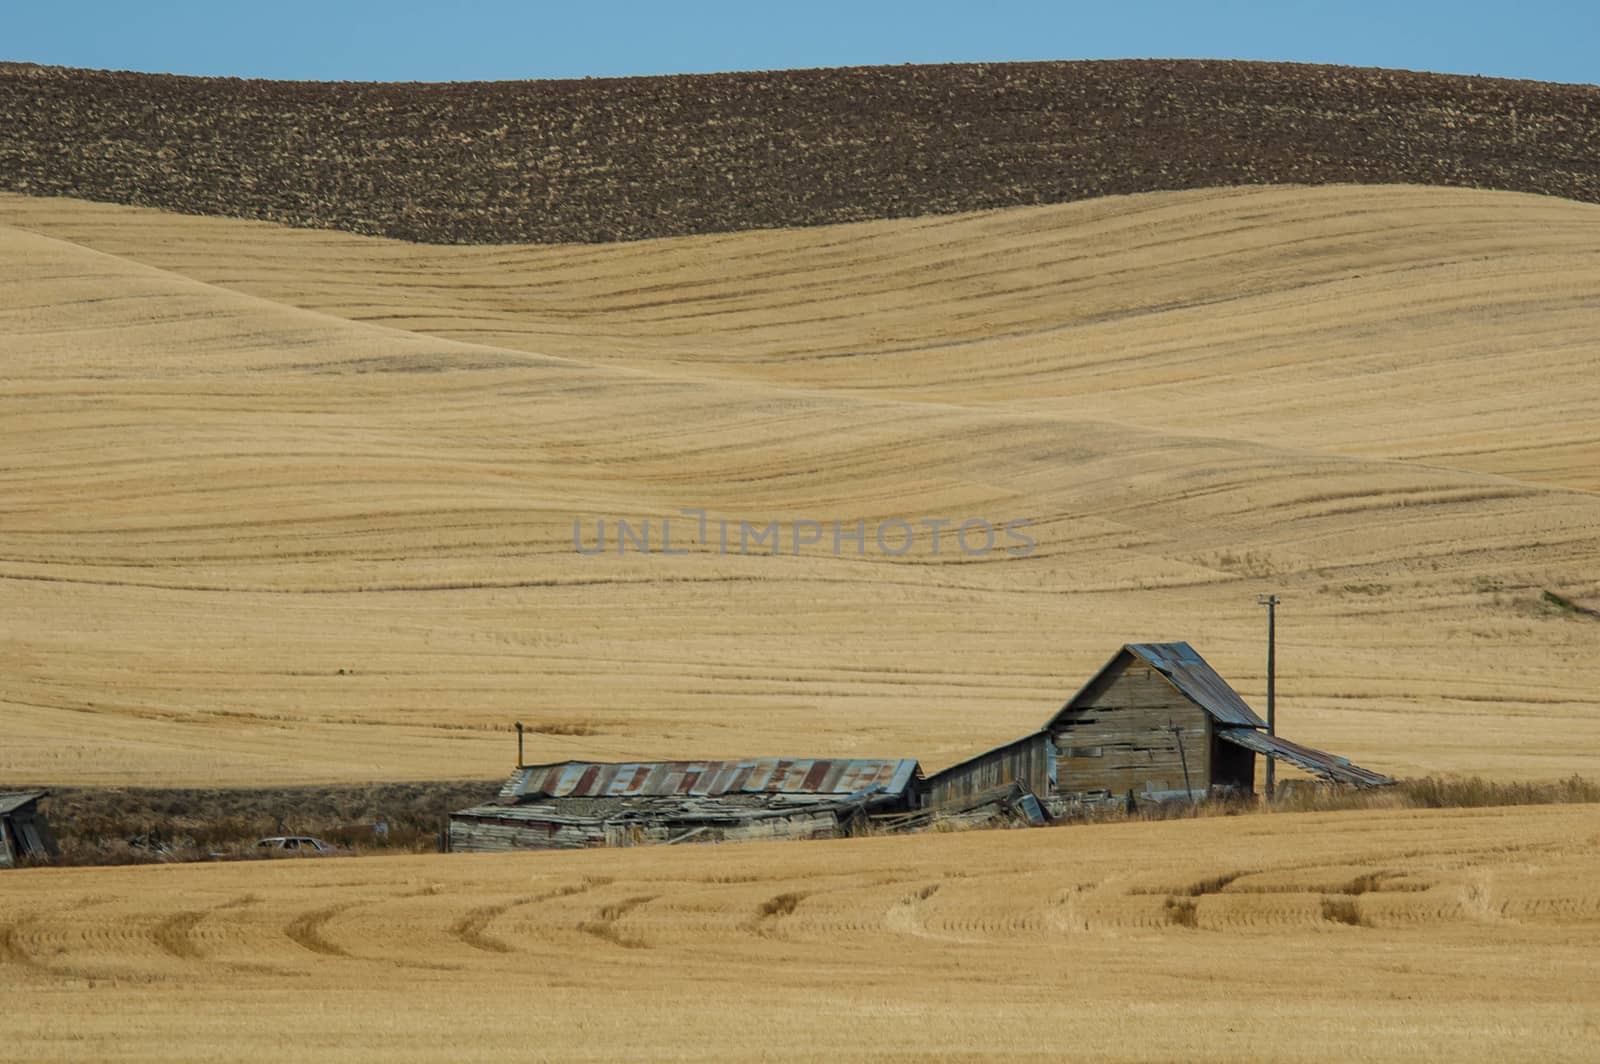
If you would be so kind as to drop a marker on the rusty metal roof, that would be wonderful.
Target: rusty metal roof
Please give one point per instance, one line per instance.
(1186, 670)
(830, 777)
(11, 801)
(1322, 765)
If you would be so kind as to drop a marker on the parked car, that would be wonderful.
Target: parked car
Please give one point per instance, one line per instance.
(297, 846)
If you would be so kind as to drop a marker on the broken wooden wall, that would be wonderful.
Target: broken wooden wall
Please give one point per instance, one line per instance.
(1029, 761)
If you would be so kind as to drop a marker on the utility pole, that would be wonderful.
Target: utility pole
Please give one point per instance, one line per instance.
(1271, 603)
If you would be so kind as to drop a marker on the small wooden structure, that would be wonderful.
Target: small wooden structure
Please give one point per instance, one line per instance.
(1029, 763)
(24, 832)
(576, 804)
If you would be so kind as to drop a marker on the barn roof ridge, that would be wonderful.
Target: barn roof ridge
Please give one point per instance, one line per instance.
(1191, 674)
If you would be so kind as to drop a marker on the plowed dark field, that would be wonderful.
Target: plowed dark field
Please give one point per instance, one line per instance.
(624, 159)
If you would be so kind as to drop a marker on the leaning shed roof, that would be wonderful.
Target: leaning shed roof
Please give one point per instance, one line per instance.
(771, 775)
(1319, 764)
(11, 801)
(1186, 670)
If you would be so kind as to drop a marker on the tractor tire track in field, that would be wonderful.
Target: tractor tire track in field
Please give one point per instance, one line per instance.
(174, 935)
(306, 930)
(12, 951)
(15, 951)
(903, 916)
(471, 928)
(772, 911)
(604, 926)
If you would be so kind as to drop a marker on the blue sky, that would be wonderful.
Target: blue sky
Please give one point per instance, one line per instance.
(405, 41)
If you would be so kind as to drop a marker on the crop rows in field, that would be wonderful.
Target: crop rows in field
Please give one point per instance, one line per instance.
(631, 158)
(1075, 882)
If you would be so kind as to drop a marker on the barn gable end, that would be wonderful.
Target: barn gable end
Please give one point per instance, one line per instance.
(1131, 729)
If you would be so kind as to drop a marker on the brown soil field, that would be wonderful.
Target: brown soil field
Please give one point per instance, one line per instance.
(623, 159)
(1462, 935)
(288, 507)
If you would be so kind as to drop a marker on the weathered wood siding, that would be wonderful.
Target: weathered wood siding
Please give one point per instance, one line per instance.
(24, 832)
(481, 834)
(1030, 761)
(1117, 737)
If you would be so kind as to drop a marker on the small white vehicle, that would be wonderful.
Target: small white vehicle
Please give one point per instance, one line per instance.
(296, 846)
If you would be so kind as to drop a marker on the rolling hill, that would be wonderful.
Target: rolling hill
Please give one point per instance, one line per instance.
(297, 506)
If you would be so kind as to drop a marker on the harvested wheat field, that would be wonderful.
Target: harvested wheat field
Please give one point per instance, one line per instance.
(1458, 934)
(302, 507)
(291, 506)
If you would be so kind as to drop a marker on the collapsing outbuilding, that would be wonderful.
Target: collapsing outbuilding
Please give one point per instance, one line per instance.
(578, 803)
(24, 832)
(1156, 723)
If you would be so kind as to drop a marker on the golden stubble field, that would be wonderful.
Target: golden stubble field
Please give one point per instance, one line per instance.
(282, 505)
(1345, 936)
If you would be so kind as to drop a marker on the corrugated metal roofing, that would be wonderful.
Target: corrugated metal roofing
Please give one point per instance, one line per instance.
(1322, 765)
(11, 801)
(1183, 666)
(771, 775)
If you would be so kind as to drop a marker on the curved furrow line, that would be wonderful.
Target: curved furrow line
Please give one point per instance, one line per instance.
(15, 948)
(770, 914)
(472, 927)
(604, 925)
(305, 930)
(174, 935)
(907, 915)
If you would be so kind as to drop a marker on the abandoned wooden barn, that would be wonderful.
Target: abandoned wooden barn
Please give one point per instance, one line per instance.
(24, 832)
(1157, 722)
(577, 804)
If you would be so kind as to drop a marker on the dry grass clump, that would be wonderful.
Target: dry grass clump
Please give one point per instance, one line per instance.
(1340, 909)
(1182, 912)
(1428, 792)
(1439, 792)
